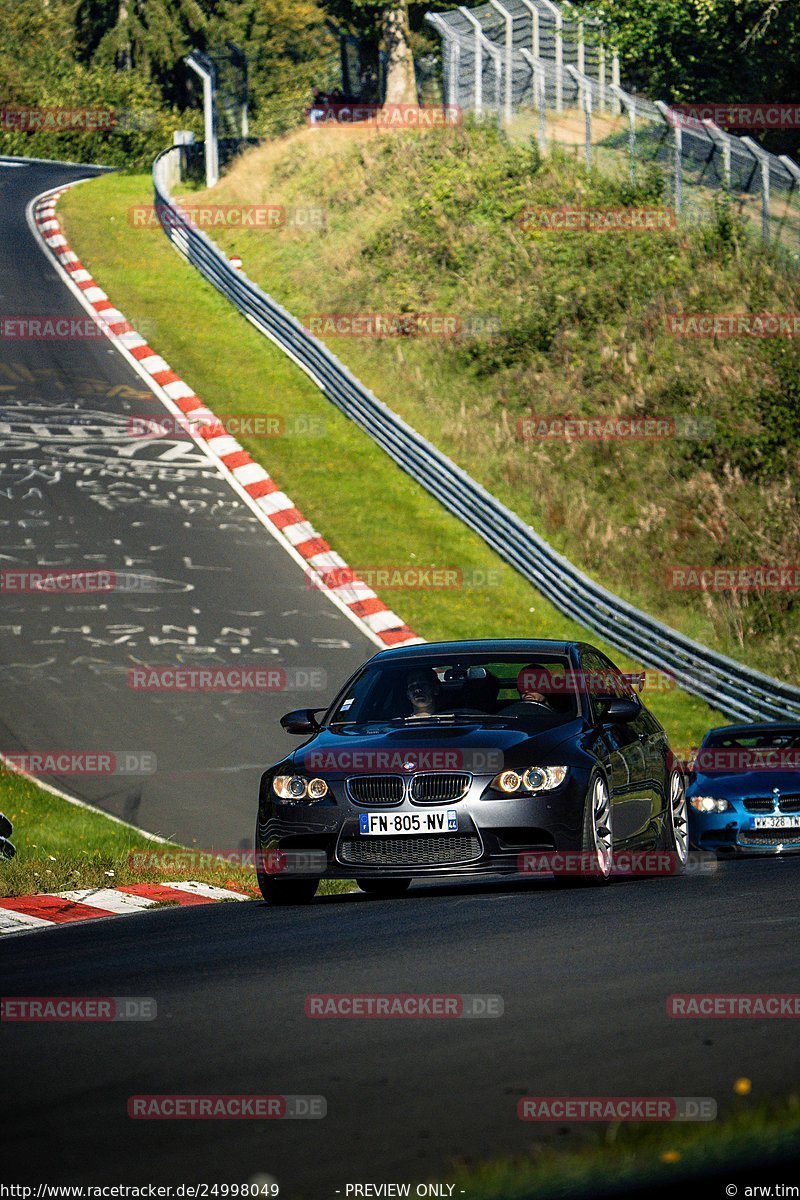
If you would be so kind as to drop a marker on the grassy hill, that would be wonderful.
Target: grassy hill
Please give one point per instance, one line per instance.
(428, 224)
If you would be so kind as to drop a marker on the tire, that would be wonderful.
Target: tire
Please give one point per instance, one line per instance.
(384, 887)
(282, 891)
(287, 891)
(597, 839)
(676, 824)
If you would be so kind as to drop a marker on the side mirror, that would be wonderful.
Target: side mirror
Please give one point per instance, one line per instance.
(301, 720)
(620, 712)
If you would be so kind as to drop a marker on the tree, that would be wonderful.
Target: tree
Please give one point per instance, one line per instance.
(401, 85)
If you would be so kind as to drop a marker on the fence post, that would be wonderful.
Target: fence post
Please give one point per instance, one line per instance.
(674, 119)
(534, 50)
(559, 20)
(585, 84)
(509, 57)
(539, 93)
(204, 67)
(614, 82)
(723, 142)
(476, 25)
(762, 158)
(623, 100)
(601, 77)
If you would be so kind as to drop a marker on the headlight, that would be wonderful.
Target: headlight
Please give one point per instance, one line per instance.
(296, 788)
(709, 804)
(534, 779)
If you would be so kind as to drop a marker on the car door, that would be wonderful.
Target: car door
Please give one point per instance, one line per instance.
(651, 741)
(624, 742)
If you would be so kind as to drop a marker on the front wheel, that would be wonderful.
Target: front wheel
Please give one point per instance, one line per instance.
(287, 891)
(384, 887)
(597, 844)
(676, 831)
(277, 890)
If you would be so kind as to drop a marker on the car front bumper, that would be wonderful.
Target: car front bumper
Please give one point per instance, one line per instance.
(492, 837)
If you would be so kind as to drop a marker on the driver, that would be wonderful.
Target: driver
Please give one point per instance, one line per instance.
(422, 688)
(529, 680)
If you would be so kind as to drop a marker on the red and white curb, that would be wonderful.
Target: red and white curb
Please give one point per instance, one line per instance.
(326, 569)
(23, 914)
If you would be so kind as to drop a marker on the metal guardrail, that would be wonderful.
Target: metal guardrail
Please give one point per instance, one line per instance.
(739, 691)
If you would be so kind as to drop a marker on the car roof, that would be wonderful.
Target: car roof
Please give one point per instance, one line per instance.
(756, 727)
(498, 646)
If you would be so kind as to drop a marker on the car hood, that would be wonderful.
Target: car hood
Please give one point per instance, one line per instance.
(479, 749)
(744, 783)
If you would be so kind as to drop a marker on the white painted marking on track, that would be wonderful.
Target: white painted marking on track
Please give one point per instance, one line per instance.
(209, 890)
(108, 898)
(14, 922)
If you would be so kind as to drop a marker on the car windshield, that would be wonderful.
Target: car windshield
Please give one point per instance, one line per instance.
(471, 689)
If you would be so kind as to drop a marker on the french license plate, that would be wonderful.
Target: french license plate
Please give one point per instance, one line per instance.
(775, 822)
(372, 824)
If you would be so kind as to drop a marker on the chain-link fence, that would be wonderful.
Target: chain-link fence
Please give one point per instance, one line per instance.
(539, 67)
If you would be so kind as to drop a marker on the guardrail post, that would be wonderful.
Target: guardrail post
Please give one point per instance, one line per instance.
(762, 158)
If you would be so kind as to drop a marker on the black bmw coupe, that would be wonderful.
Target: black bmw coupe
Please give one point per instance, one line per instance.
(460, 758)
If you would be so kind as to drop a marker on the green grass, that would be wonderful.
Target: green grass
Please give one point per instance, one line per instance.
(371, 511)
(63, 846)
(427, 224)
(584, 1161)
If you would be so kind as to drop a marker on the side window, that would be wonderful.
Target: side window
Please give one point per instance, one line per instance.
(603, 682)
(621, 686)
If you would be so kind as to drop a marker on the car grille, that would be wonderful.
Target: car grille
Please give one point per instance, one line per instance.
(439, 788)
(376, 789)
(769, 837)
(408, 851)
(759, 804)
(766, 804)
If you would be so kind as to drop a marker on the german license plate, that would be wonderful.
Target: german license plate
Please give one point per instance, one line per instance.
(372, 823)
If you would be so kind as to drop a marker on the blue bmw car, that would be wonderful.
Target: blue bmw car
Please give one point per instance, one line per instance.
(744, 790)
